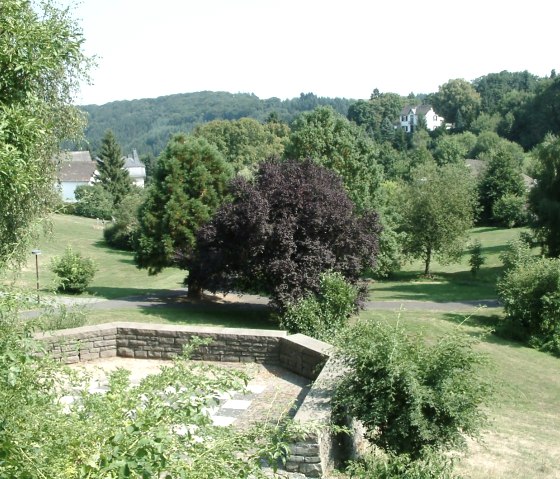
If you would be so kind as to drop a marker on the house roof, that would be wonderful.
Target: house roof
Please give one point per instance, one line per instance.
(423, 109)
(407, 109)
(76, 166)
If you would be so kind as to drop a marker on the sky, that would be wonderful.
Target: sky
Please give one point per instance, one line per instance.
(344, 48)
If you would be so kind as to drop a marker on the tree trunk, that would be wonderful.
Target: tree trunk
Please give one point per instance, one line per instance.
(428, 261)
(194, 289)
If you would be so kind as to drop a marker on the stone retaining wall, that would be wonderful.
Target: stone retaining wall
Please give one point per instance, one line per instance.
(312, 454)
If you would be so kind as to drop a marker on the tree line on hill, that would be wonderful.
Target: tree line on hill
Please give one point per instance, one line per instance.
(519, 106)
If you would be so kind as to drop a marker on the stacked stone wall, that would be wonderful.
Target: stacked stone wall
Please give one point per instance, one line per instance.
(313, 454)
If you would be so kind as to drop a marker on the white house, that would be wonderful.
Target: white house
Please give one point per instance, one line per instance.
(411, 115)
(136, 169)
(76, 168)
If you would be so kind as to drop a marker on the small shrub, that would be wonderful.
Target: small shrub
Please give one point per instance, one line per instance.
(62, 317)
(74, 272)
(477, 259)
(411, 395)
(518, 253)
(122, 233)
(323, 314)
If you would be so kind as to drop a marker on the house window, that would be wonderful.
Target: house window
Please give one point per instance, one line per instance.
(405, 128)
(435, 117)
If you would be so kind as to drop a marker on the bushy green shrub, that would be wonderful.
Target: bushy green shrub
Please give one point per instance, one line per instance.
(411, 395)
(322, 315)
(510, 210)
(122, 233)
(92, 201)
(54, 317)
(432, 465)
(530, 293)
(74, 272)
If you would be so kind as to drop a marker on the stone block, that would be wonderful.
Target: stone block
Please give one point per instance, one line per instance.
(125, 352)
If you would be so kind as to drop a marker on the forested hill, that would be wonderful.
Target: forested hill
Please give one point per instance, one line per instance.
(148, 123)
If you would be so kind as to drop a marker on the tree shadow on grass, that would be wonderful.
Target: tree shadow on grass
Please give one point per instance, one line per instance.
(231, 315)
(487, 328)
(442, 287)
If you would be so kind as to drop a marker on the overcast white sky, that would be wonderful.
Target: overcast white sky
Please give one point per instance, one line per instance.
(344, 48)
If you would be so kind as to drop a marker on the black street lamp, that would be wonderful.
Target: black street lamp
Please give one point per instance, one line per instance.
(36, 253)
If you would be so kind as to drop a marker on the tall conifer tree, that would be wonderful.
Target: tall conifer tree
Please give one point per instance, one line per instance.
(111, 172)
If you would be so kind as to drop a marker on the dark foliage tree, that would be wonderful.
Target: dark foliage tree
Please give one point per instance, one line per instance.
(112, 175)
(281, 231)
(495, 86)
(544, 198)
(189, 184)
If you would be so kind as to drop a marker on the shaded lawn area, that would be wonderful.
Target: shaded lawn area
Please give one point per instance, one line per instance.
(218, 315)
(453, 282)
(523, 437)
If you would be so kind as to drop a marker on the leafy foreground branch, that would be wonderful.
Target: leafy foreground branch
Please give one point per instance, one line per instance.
(52, 426)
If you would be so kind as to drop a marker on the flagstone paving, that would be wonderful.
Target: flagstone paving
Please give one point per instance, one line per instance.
(272, 392)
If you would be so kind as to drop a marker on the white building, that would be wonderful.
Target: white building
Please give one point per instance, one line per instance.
(411, 115)
(76, 168)
(136, 169)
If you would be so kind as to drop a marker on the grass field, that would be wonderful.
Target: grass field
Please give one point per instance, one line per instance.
(452, 282)
(117, 275)
(523, 437)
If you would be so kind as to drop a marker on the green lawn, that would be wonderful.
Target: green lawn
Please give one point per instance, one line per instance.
(117, 275)
(219, 315)
(452, 282)
(523, 437)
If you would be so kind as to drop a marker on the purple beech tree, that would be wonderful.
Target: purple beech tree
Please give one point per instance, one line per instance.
(280, 231)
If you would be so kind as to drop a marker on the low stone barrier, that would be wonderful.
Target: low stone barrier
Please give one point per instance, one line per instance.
(313, 454)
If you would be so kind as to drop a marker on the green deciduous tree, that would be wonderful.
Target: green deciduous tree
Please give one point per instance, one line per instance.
(501, 176)
(112, 175)
(189, 184)
(41, 66)
(332, 141)
(544, 198)
(245, 142)
(457, 100)
(437, 212)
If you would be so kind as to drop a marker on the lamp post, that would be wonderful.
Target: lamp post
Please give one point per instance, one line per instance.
(36, 253)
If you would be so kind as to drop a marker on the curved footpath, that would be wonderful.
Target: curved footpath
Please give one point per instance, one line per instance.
(177, 298)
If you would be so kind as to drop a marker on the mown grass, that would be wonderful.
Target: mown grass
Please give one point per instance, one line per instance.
(217, 315)
(453, 282)
(116, 277)
(523, 436)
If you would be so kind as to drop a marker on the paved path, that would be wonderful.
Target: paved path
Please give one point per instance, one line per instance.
(177, 299)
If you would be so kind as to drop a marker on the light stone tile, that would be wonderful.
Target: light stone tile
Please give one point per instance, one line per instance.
(236, 404)
(223, 421)
(256, 388)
